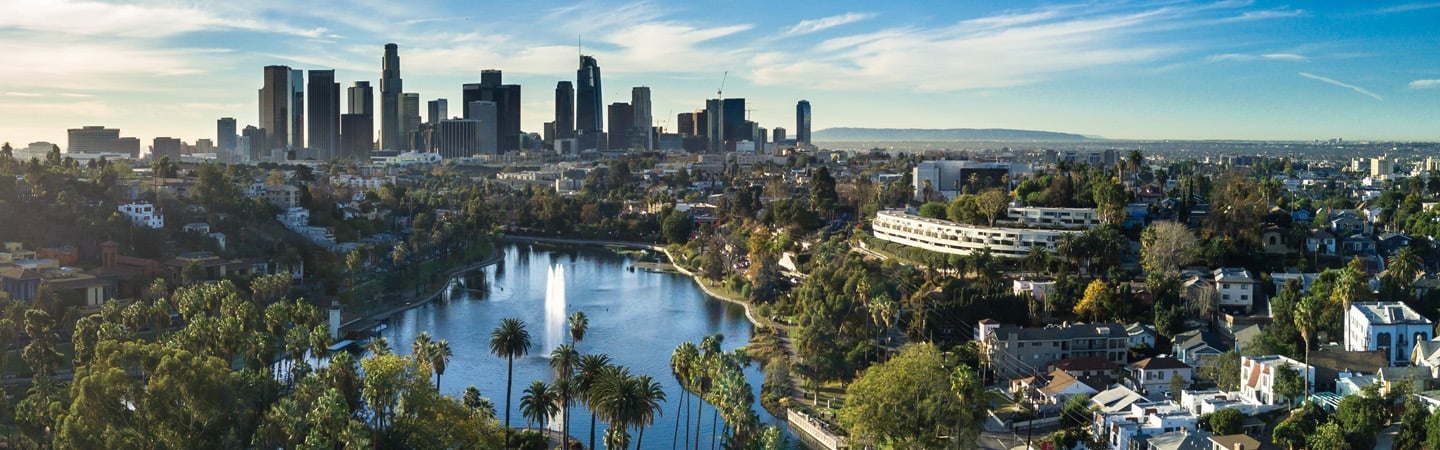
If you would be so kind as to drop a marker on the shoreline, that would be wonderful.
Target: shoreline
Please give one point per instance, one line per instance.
(497, 254)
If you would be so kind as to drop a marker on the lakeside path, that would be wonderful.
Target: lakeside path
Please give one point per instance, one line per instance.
(496, 255)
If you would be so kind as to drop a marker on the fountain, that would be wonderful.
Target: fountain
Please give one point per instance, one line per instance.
(554, 308)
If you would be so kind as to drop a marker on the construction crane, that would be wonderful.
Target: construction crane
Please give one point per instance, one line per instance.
(719, 93)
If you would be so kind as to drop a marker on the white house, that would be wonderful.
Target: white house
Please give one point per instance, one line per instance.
(1040, 290)
(1151, 375)
(1257, 377)
(143, 214)
(1391, 326)
(1235, 288)
(1121, 428)
(1141, 335)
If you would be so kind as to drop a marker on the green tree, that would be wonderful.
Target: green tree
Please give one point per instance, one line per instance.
(1177, 384)
(993, 203)
(972, 403)
(1432, 431)
(933, 210)
(1361, 417)
(1330, 437)
(1289, 384)
(822, 191)
(1164, 246)
(587, 377)
(1226, 422)
(510, 340)
(677, 227)
(579, 324)
(901, 402)
(537, 403)
(1413, 432)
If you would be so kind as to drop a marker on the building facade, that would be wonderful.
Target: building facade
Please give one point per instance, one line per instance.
(1390, 326)
(92, 139)
(391, 86)
(802, 122)
(1015, 351)
(960, 239)
(324, 115)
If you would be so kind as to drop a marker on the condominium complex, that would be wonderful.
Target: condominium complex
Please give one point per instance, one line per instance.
(960, 239)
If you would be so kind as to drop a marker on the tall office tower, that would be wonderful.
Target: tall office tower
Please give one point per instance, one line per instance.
(487, 112)
(621, 121)
(165, 147)
(275, 103)
(642, 120)
(457, 138)
(702, 123)
(762, 139)
(491, 77)
(726, 122)
(324, 115)
(391, 123)
(589, 114)
(802, 123)
(129, 146)
(564, 110)
(258, 143)
(362, 99)
(225, 135)
(507, 104)
(92, 139)
(297, 109)
(685, 124)
(778, 135)
(438, 110)
(357, 136)
(409, 120)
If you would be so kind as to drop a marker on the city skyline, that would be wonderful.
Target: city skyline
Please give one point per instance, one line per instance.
(1182, 70)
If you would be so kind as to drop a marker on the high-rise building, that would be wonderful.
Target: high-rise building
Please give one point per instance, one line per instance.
(258, 143)
(802, 123)
(225, 135)
(726, 122)
(487, 112)
(685, 124)
(458, 138)
(324, 116)
(589, 108)
(129, 146)
(92, 139)
(357, 136)
(297, 109)
(507, 103)
(564, 110)
(702, 123)
(165, 147)
(392, 124)
(643, 119)
(410, 120)
(275, 103)
(438, 110)
(621, 122)
(362, 99)
(778, 135)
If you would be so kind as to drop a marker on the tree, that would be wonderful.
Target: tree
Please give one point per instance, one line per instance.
(440, 355)
(579, 324)
(969, 392)
(510, 340)
(1330, 437)
(1289, 384)
(677, 227)
(563, 360)
(1098, 301)
(992, 203)
(822, 190)
(1226, 422)
(1289, 434)
(1360, 417)
(537, 403)
(1432, 431)
(1164, 246)
(1177, 384)
(933, 210)
(587, 377)
(1307, 318)
(901, 402)
(1413, 432)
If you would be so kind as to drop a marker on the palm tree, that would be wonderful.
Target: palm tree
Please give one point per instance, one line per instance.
(587, 376)
(702, 377)
(537, 403)
(562, 391)
(1307, 318)
(1404, 264)
(378, 346)
(682, 363)
(579, 323)
(439, 358)
(421, 348)
(509, 340)
(650, 396)
(563, 360)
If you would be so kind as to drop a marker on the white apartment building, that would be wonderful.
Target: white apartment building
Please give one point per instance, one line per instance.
(1235, 289)
(1152, 375)
(1120, 428)
(143, 214)
(960, 239)
(1257, 377)
(1064, 218)
(1389, 326)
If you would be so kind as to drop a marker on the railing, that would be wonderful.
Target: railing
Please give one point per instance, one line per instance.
(816, 431)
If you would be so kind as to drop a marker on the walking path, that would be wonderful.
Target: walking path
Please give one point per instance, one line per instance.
(496, 255)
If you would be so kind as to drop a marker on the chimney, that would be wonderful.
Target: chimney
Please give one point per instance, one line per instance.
(1239, 446)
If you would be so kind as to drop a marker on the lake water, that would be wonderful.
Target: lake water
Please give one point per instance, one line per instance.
(638, 318)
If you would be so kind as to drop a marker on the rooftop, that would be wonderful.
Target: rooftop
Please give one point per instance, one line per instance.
(1389, 313)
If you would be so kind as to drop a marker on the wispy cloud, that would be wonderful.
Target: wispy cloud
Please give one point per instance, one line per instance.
(1407, 8)
(1424, 84)
(92, 18)
(1342, 84)
(1260, 57)
(808, 26)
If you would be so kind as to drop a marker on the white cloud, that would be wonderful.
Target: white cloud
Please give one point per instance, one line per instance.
(1252, 57)
(92, 18)
(1424, 84)
(1407, 8)
(808, 26)
(1285, 57)
(1349, 86)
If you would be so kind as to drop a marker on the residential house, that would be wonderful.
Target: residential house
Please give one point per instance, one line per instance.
(1017, 351)
(1409, 379)
(1234, 442)
(1128, 428)
(1040, 290)
(1389, 326)
(1301, 215)
(1346, 222)
(1117, 398)
(1152, 375)
(143, 214)
(1202, 402)
(66, 255)
(20, 283)
(285, 196)
(1196, 347)
(1331, 361)
(1178, 440)
(1257, 377)
(1245, 336)
(1321, 241)
(1306, 279)
(1272, 240)
(1389, 243)
(1235, 289)
(1141, 335)
(1358, 245)
(1056, 387)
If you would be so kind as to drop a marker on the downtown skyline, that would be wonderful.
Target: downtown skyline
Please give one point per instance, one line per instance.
(1136, 70)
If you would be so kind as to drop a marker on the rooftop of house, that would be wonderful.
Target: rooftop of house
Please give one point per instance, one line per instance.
(1054, 333)
(1388, 313)
(1159, 363)
(1117, 398)
(1235, 441)
(1086, 364)
(1233, 275)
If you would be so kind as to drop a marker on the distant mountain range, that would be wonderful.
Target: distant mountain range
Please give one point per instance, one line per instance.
(952, 134)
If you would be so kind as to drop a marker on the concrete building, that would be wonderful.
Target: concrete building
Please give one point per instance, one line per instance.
(458, 138)
(802, 122)
(437, 110)
(1016, 351)
(1235, 289)
(391, 86)
(642, 118)
(225, 136)
(284, 196)
(944, 180)
(564, 110)
(166, 147)
(409, 121)
(953, 238)
(622, 116)
(324, 114)
(1257, 377)
(1152, 375)
(589, 106)
(143, 214)
(92, 139)
(276, 102)
(1390, 326)
(487, 113)
(1065, 218)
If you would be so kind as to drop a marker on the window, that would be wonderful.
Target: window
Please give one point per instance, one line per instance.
(1244, 297)
(1225, 297)
(1225, 286)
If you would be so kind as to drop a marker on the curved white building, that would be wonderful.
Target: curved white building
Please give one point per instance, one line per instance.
(960, 239)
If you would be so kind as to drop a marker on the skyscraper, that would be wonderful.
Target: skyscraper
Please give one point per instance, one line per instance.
(802, 123)
(438, 110)
(92, 139)
(409, 121)
(225, 135)
(726, 122)
(642, 120)
(362, 99)
(564, 110)
(685, 124)
(256, 137)
(297, 109)
(589, 114)
(778, 135)
(324, 116)
(391, 123)
(487, 112)
(457, 138)
(165, 147)
(357, 129)
(275, 102)
(507, 105)
(621, 121)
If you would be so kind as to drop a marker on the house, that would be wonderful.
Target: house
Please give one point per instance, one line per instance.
(1234, 442)
(1141, 335)
(143, 214)
(1321, 241)
(1281, 278)
(1358, 245)
(1389, 243)
(1202, 402)
(1424, 284)
(1331, 361)
(197, 227)
(1152, 375)
(1132, 427)
(1245, 336)
(1345, 222)
(1117, 398)
(66, 255)
(20, 283)
(1413, 379)
(1017, 351)
(1040, 290)
(1235, 288)
(1301, 215)
(1354, 384)
(1058, 386)
(1389, 326)
(1195, 347)
(1257, 377)
(1179, 440)
(284, 196)
(1272, 241)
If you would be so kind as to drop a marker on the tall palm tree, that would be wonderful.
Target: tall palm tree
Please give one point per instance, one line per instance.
(439, 358)
(1307, 318)
(537, 403)
(710, 348)
(1404, 265)
(682, 362)
(650, 395)
(587, 376)
(509, 340)
(579, 323)
(563, 360)
(421, 348)
(563, 391)
(378, 346)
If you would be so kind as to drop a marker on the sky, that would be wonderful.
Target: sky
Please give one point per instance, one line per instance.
(1118, 69)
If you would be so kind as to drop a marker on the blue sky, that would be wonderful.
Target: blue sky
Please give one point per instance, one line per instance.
(1130, 70)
